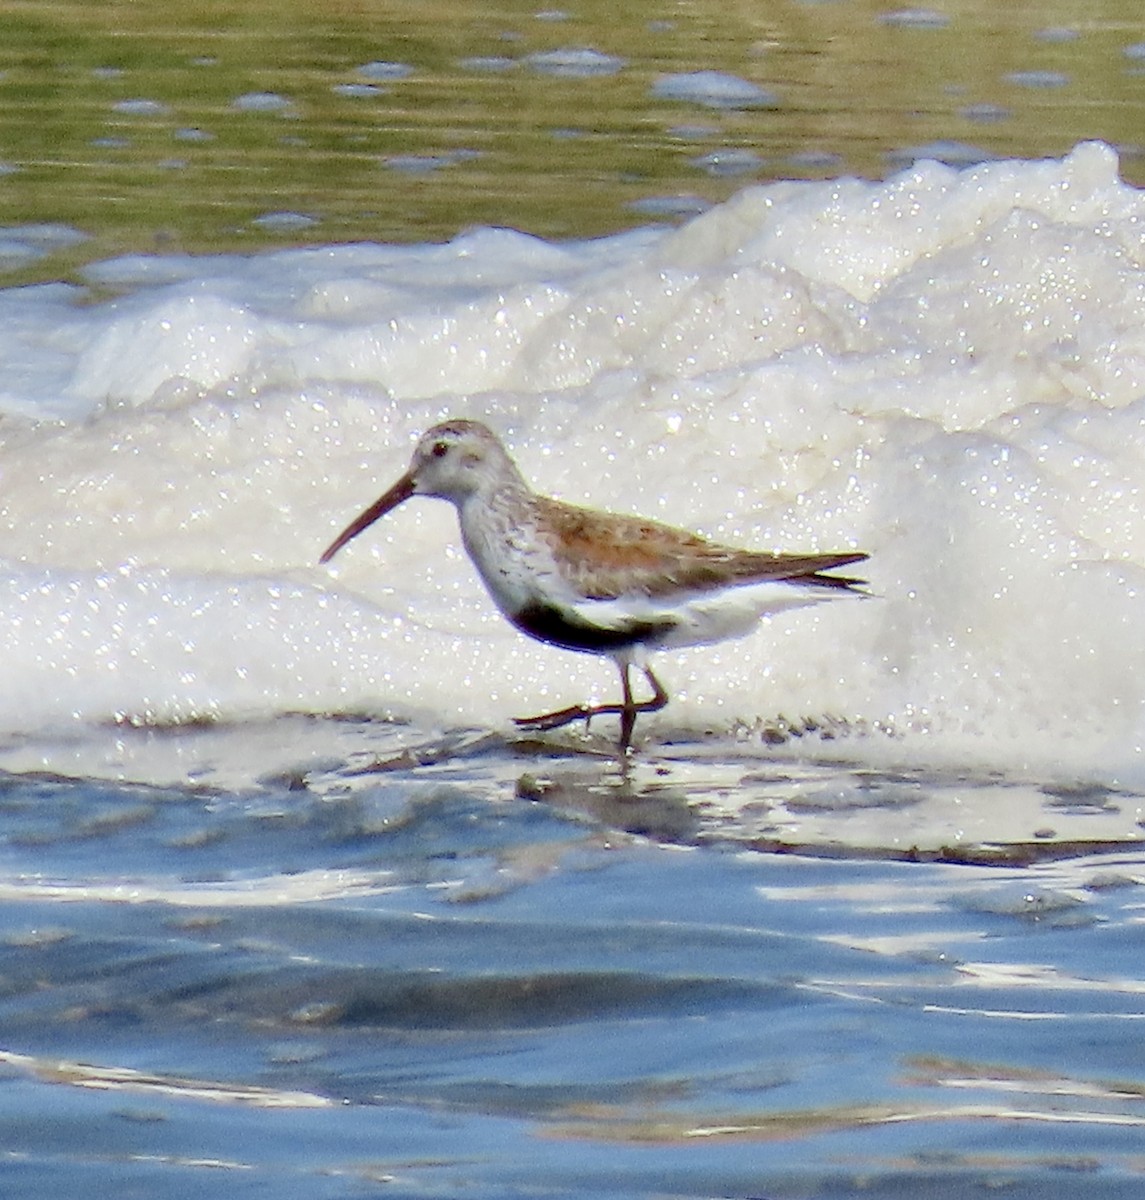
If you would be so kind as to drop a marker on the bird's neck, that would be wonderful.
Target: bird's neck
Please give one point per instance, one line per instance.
(494, 531)
(504, 490)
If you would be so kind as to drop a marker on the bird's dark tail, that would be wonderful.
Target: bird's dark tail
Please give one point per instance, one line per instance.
(846, 583)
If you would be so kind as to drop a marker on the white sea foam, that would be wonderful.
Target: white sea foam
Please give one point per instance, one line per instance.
(946, 370)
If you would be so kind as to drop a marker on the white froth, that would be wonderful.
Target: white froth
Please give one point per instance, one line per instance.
(946, 370)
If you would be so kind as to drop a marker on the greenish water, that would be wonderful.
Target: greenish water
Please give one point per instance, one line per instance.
(148, 126)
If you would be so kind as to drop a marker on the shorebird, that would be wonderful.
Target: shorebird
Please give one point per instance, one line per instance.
(593, 581)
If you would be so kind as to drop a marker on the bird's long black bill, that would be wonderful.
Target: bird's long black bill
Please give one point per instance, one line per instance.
(402, 490)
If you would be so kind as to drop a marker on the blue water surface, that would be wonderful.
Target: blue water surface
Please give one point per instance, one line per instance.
(426, 981)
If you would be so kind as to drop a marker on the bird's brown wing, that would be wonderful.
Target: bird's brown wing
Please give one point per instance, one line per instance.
(607, 555)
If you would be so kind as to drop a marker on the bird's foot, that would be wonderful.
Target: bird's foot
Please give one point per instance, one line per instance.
(563, 716)
(627, 712)
(585, 713)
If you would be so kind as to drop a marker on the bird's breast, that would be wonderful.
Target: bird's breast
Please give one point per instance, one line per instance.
(515, 565)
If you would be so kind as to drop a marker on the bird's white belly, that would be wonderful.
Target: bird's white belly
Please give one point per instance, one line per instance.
(698, 618)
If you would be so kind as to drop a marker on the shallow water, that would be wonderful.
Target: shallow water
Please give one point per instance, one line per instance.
(469, 968)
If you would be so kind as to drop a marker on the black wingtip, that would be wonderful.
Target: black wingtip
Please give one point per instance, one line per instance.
(843, 582)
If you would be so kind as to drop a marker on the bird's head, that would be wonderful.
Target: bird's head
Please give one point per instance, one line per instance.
(453, 460)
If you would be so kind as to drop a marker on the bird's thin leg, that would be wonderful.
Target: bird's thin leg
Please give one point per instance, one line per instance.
(627, 711)
(628, 716)
(659, 695)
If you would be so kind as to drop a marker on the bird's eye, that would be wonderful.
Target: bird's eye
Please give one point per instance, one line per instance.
(439, 449)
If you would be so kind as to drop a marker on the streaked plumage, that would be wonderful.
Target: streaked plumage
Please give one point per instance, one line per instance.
(594, 581)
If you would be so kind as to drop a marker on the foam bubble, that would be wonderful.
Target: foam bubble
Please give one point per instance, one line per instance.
(574, 62)
(140, 108)
(380, 71)
(1037, 79)
(714, 89)
(262, 102)
(729, 162)
(915, 18)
